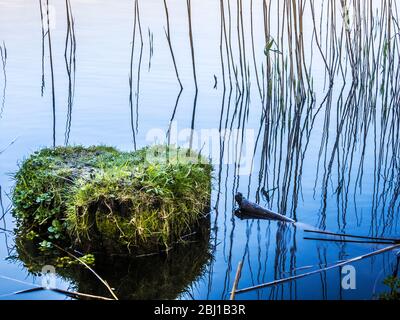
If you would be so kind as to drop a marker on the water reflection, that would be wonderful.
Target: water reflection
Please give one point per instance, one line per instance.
(3, 56)
(351, 118)
(134, 102)
(168, 36)
(322, 96)
(4, 231)
(158, 276)
(70, 65)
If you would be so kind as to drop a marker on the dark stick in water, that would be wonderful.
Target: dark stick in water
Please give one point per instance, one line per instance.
(254, 210)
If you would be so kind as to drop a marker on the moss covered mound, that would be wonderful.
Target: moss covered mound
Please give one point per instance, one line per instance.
(101, 197)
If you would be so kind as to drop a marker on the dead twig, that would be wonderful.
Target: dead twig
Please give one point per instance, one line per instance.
(350, 241)
(237, 278)
(351, 236)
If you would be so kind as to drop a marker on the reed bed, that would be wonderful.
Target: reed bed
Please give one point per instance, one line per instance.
(328, 77)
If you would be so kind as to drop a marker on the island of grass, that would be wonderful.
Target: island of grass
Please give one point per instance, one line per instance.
(100, 198)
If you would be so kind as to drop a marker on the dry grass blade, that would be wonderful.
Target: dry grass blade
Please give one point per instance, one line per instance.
(91, 270)
(74, 294)
(237, 278)
(19, 281)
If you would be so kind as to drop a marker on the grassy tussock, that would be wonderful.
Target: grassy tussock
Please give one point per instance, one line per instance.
(98, 195)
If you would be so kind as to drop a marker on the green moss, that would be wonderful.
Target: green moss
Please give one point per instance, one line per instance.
(101, 197)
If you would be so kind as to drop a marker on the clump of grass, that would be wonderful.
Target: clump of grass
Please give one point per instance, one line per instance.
(101, 197)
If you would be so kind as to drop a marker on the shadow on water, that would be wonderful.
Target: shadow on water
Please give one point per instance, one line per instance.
(158, 276)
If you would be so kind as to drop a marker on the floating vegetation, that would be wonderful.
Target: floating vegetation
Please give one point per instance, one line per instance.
(101, 198)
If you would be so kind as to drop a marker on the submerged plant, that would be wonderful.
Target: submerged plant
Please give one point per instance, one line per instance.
(99, 197)
(394, 284)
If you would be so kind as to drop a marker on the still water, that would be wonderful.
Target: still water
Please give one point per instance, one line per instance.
(301, 103)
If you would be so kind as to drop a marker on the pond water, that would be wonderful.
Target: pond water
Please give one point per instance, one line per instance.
(295, 102)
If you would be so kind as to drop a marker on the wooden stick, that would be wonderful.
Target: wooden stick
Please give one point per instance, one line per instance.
(237, 278)
(80, 295)
(350, 241)
(351, 236)
(281, 281)
(22, 292)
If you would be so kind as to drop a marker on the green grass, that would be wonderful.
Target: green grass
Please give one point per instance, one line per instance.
(99, 196)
